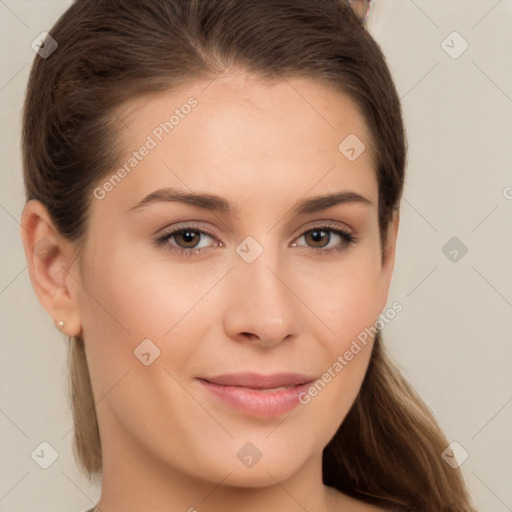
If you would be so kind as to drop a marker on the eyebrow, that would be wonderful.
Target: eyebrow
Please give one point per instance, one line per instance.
(218, 204)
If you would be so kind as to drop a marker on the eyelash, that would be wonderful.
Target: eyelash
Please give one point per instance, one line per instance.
(347, 239)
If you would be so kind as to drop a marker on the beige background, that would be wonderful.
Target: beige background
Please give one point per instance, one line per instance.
(453, 337)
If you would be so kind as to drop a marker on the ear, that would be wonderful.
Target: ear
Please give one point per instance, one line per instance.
(388, 256)
(50, 258)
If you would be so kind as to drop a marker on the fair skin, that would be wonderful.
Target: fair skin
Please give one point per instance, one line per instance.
(168, 443)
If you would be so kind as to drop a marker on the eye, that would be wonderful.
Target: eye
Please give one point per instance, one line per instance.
(191, 240)
(187, 240)
(327, 239)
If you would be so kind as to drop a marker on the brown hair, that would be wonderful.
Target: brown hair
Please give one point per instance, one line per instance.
(388, 449)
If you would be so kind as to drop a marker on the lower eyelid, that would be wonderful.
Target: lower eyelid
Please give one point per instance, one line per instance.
(164, 239)
(346, 238)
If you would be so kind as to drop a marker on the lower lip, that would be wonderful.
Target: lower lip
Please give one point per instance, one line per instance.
(257, 402)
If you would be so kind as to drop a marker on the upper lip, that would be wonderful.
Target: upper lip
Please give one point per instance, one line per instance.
(259, 381)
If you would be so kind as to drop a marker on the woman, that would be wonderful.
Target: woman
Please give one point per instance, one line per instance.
(213, 192)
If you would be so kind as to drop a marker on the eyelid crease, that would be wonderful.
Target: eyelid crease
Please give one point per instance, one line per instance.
(347, 236)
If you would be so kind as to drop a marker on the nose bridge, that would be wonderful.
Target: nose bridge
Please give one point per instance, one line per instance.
(263, 304)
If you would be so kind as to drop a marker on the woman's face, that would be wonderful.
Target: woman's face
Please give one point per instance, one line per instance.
(256, 285)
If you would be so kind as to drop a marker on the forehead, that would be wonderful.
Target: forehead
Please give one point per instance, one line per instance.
(241, 130)
(280, 100)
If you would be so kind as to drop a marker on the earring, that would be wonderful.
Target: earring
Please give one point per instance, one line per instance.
(60, 324)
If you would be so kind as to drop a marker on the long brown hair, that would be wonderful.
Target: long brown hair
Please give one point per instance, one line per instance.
(388, 449)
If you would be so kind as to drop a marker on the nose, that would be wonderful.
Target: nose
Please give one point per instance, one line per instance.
(263, 309)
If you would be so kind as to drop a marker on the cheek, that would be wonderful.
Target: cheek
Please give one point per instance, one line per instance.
(349, 303)
(129, 296)
(127, 300)
(349, 307)
(346, 296)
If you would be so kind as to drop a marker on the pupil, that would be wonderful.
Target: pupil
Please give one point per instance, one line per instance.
(189, 236)
(317, 235)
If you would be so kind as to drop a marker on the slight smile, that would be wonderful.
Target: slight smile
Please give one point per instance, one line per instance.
(258, 395)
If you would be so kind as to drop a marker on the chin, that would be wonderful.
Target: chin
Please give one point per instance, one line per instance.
(274, 466)
(265, 476)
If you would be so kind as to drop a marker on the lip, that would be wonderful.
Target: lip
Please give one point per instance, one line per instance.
(258, 395)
